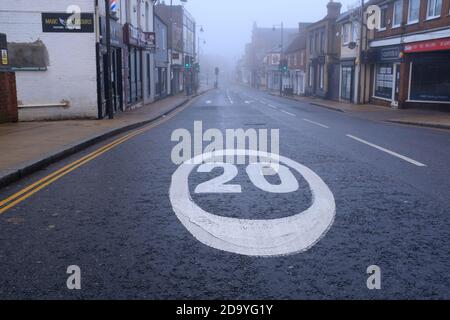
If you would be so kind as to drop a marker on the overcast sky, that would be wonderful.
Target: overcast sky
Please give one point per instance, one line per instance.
(228, 23)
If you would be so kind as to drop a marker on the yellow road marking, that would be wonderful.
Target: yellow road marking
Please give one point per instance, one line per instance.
(28, 191)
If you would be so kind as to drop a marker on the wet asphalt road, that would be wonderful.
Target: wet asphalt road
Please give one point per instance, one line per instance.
(113, 218)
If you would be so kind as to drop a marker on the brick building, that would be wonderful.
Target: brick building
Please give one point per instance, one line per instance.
(8, 97)
(323, 55)
(409, 54)
(296, 56)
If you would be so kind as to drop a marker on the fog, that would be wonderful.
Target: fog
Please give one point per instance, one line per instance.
(227, 24)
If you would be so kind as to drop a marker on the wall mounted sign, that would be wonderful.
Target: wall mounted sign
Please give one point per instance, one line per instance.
(132, 36)
(67, 22)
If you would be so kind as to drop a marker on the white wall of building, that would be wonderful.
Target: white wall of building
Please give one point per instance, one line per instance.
(71, 74)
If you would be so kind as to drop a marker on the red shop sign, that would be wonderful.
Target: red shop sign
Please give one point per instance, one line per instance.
(429, 45)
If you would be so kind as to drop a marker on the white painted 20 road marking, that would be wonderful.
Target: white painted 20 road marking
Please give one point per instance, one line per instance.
(264, 238)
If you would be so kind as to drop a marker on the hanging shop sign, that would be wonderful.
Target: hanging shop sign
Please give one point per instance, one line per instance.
(149, 41)
(67, 22)
(429, 45)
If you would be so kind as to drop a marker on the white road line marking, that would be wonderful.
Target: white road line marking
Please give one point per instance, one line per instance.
(254, 237)
(317, 124)
(392, 153)
(208, 102)
(229, 98)
(272, 106)
(291, 114)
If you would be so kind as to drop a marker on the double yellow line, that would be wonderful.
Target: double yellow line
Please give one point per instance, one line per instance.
(28, 191)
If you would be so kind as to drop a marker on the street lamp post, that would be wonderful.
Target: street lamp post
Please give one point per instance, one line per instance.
(281, 54)
(198, 52)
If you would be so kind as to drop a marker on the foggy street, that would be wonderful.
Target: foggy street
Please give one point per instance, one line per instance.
(115, 216)
(224, 159)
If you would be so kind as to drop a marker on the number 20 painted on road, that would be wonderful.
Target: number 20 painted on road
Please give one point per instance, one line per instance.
(288, 183)
(263, 238)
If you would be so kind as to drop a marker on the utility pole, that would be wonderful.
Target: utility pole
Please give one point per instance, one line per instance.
(281, 58)
(361, 91)
(281, 55)
(107, 72)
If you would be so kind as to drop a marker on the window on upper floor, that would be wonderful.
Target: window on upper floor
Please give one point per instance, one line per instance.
(311, 44)
(383, 18)
(413, 11)
(434, 9)
(322, 41)
(397, 14)
(147, 17)
(355, 31)
(316, 42)
(346, 33)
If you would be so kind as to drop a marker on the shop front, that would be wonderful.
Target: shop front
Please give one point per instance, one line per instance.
(428, 63)
(116, 68)
(177, 76)
(135, 46)
(347, 80)
(386, 66)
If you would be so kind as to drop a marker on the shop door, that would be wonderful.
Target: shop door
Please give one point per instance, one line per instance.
(116, 80)
(347, 83)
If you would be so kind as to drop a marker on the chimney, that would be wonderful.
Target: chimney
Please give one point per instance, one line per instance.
(334, 9)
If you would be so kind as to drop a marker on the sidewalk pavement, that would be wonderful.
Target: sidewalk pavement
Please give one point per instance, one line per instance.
(29, 146)
(425, 118)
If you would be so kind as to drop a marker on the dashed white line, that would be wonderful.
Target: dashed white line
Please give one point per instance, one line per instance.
(392, 153)
(317, 123)
(291, 114)
(229, 98)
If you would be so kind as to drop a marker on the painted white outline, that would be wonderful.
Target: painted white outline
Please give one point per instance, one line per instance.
(263, 238)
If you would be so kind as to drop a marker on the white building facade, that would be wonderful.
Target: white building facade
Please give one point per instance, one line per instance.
(58, 51)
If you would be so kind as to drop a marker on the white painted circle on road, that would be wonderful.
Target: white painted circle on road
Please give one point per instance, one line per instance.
(265, 238)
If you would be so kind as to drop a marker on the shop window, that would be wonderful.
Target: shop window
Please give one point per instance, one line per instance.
(398, 13)
(430, 78)
(321, 76)
(413, 11)
(311, 76)
(384, 81)
(434, 9)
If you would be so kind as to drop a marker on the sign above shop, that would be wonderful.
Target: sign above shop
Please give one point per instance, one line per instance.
(136, 37)
(384, 54)
(67, 22)
(429, 45)
(116, 32)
